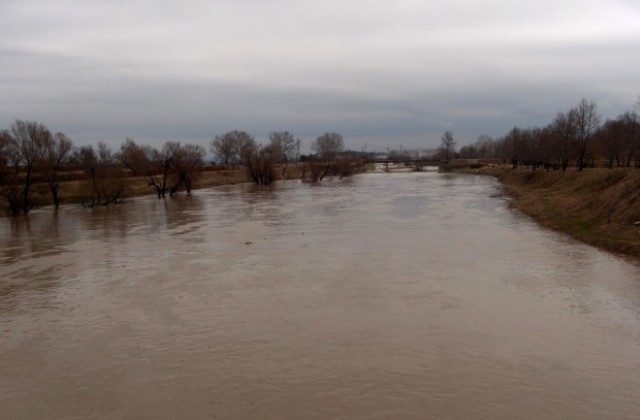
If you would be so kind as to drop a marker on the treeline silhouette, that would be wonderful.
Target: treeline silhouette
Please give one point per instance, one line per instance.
(575, 138)
(34, 162)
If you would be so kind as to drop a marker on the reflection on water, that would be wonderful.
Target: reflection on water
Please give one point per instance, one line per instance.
(382, 296)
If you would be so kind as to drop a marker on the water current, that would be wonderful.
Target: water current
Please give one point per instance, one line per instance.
(403, 295)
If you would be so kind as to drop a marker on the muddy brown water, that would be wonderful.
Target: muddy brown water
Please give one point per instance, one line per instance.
(382, 296)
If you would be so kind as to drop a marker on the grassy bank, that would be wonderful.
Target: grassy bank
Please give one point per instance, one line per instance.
(598, 206)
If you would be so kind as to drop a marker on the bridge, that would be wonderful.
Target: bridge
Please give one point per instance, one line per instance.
(421, 162)
(417, 164)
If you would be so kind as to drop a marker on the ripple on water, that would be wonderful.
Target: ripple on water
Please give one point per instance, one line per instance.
(386, 296)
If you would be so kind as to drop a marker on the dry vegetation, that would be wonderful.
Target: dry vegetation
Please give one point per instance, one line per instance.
(76, 188)
(75, 192)
(598, 206)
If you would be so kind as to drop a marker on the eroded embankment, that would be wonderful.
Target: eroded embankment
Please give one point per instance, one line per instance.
(598, 206)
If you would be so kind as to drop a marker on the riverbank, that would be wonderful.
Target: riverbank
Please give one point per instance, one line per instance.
(600, 207)
(76, 192)
(79, 191)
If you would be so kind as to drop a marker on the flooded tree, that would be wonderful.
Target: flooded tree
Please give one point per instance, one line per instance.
(30, 155)
(5, 146)
(162, 160)
(327, 149)
(54, 156)
(138, 160)
(187, 159)
(448, 144)
(149, 162)
(284, 148)
(28, 140)
(260, 164)
(9, 178)
(258, 159)
(166, 170)
(106, 181)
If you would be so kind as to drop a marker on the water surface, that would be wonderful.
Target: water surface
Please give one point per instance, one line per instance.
(381, 296)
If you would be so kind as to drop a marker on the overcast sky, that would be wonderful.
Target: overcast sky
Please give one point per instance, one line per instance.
(378, 72)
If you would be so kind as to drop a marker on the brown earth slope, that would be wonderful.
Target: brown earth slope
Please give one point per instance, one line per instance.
(598, 206)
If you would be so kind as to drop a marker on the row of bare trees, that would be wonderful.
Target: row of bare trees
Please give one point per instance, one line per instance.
(30, 154)
(33, 159)
(240, 148)
(167, 169)
(574, 138)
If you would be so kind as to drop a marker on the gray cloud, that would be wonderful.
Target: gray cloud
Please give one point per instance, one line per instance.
(378, 73)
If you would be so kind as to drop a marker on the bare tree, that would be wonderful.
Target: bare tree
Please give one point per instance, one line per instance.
(448, 143)
(469, 151)
(549, 148)
(8, 152)
(484, 146)
(187, 159)
(587, 122)
(106, 179)
(260, 161)
(538, 147)
(247, 147)
(609, 139)
(228, 147)
(283, 148)
(149, 162)
(54, 155)
(163, 159)
(9, 177)
(225, 148)
(513, 143)
(565, 127)
(630, 138)
(136, 158)
(31, 154)
(165, 170)
(29, 139)
(327, 148)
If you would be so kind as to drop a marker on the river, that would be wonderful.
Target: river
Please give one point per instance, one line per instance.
(404, 295)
